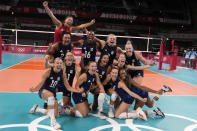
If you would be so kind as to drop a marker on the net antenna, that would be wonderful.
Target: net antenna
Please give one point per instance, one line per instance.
(0, 49)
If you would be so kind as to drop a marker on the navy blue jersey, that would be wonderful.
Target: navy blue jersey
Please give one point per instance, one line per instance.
(87, 84)
(122, 93)
(70, 73)
(62, 50)
(111, 84)
(111, 50)
(132, 60)
(89, 49)
(102, 71)
(52, 81)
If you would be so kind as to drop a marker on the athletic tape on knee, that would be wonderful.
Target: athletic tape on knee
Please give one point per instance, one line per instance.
(51, 101)
(113, 97)
(78, 114)
(101, 100)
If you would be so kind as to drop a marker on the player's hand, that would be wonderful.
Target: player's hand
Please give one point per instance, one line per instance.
(83, 94)
(93, 21)
(144, 100)
(153, 63)
(45, 4)
(81, 90)
(32, 89)
(108, 77)
(47, 57)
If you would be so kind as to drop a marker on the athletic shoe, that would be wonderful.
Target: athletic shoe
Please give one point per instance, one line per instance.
(166, 89)
(33, 109)
(65, 111)
(159, 113)
(141, 114)
(111, 114)
(55, 125)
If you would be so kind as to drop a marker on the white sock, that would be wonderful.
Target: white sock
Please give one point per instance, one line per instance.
(130, 115)
(78, 114)
(111, 107)
(150, 112)
(101, 100)
(155, 101)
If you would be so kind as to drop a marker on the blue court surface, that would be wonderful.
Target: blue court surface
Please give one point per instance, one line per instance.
(180, 111)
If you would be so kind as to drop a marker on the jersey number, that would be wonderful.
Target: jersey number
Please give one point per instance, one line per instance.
(53, 83)
(87, 54)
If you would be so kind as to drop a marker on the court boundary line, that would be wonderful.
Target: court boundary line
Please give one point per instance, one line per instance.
(172, 78)
(16, 64)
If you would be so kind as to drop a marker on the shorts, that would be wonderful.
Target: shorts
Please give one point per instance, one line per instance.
(134, 73)
(128, 100)
(52, 90)
(78, 98)
(62, 88)
(140, 92)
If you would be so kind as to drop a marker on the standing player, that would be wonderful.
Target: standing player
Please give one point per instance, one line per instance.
(47, 90)
(66, 26)
(110, 47)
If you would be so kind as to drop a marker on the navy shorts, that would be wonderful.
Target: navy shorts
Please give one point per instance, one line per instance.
(140, 92)
(128, 100)
(78, 98)
(62, 88)
(52, 90)
(134, 73)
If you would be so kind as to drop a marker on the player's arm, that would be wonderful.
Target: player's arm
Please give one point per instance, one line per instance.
(77, 71)
(82, 26)
(51, 15)
(107, 79)
(98, 81)
(130, 67)
(43, 79)
(145, 88)
(100, 42)
(82, 78)
(67, 85)
(48, 61)
(125, 88)
(141, 58)
(119, 50)
(78, 43)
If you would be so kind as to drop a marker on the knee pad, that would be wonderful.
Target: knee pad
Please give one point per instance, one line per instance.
(113, 97)
(78, 114)
(51, 101)
(123, 115)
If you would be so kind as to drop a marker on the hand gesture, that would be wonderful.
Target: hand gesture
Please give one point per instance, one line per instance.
(93, 21)
(45, 4)
(32, 89)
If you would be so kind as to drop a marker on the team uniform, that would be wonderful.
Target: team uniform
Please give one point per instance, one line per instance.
(111, 52)
(124, 95)
(140, 92)
(102, 71)
(70, 73)
(77, 97)
(58, 32)
(89, 49)
(132, 60)
(111, 84)
(62, 50)
(51, 82)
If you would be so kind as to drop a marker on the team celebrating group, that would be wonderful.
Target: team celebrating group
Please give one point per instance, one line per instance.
(116, 73)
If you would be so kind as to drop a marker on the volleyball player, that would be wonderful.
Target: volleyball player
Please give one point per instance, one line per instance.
(72, 71)
(84, 82)
(110, 47)
(134, 58)
(47, 90)
(65, 26)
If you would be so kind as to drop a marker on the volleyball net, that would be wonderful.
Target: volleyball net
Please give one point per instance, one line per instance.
(37, 42)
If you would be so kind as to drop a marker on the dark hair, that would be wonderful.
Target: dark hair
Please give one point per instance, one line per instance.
(104, 53)
(65, 32)
(127, 79)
